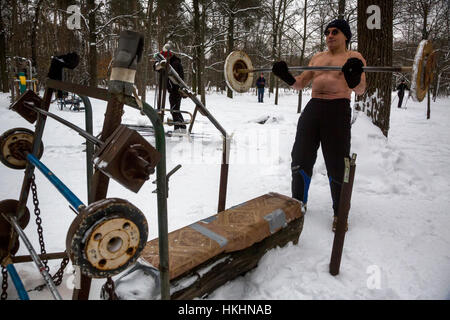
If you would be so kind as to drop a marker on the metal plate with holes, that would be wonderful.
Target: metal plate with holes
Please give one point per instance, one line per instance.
(423, 69)
(238, 82)
(106, 237)
(13, 145)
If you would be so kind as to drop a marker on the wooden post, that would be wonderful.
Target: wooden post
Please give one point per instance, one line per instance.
(344, 208)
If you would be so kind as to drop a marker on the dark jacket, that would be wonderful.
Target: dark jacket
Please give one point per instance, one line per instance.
(401, 87)
(175, 62)
(260, 82)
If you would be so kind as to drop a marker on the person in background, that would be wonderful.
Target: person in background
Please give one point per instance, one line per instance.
(401, 92)
(173, 89)
(260, 84)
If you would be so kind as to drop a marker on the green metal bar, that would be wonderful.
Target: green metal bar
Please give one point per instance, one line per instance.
(89, 146)
(163, 231)
(160, 138)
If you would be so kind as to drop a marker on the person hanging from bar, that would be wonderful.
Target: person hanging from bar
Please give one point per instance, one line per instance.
(326, 119)
(174, 93)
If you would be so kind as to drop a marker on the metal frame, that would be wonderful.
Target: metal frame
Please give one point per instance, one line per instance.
(85, 92)
(174, 76)
(161, 177)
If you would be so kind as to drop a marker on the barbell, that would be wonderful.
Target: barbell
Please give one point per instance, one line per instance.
(238, 70)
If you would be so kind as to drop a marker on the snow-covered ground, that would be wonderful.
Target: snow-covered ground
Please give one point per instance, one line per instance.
(398, 244)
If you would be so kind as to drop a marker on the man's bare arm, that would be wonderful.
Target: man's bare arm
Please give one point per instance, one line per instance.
(305, 77)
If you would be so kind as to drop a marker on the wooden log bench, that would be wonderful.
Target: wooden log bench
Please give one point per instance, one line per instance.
(206, 254)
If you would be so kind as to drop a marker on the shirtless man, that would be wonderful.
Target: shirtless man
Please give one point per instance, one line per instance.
(326, 119)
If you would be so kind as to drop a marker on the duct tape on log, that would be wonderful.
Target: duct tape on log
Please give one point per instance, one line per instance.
(210, 234)
(276, 220)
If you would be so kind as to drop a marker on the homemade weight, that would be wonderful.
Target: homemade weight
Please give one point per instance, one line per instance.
(238, 67)
(105, 237)
(14, 144)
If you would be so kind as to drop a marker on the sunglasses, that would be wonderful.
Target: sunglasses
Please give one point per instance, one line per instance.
(334, 32)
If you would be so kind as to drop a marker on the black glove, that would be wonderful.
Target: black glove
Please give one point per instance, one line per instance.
(280, 69)
(69, 60)
(352, 70)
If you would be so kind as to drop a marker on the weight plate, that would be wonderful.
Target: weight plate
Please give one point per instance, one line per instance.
(13, 144)
(421, 75)
(238, 82)
(106, 237)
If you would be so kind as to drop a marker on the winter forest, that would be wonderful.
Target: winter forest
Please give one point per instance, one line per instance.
(205, 32)
(397, 244)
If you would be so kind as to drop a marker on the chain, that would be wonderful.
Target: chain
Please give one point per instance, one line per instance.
(4, 294)
(37, 212)
(58, 276)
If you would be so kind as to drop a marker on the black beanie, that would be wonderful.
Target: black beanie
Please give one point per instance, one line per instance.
(342, 25)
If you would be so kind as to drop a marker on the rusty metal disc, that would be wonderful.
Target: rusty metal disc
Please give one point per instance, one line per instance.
(135, 163)
(423, 69)
(238, 82)
(14, 143)
(106, 237)
(7, 235)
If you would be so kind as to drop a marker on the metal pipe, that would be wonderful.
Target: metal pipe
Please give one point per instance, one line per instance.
(47, 256)
(23, 295)
(80, 131)
(39, 264)
(69, 195)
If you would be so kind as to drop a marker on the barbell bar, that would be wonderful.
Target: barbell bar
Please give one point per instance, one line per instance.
(238, 70)
(330, 68)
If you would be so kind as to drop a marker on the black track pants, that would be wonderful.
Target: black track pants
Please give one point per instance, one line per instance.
(400, 99)
(326, 123)
(175, 103)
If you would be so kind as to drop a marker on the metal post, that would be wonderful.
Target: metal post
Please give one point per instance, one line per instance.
(89, 146)
(344, 207)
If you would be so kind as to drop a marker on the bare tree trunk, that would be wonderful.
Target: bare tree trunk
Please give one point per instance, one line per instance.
(92, 44)
(33, 32)
(144, 75)
(375, 45)
(230, 44)
(341, 9)
(202, 54)
(302, 54)
(197, 50)
(3, 71)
